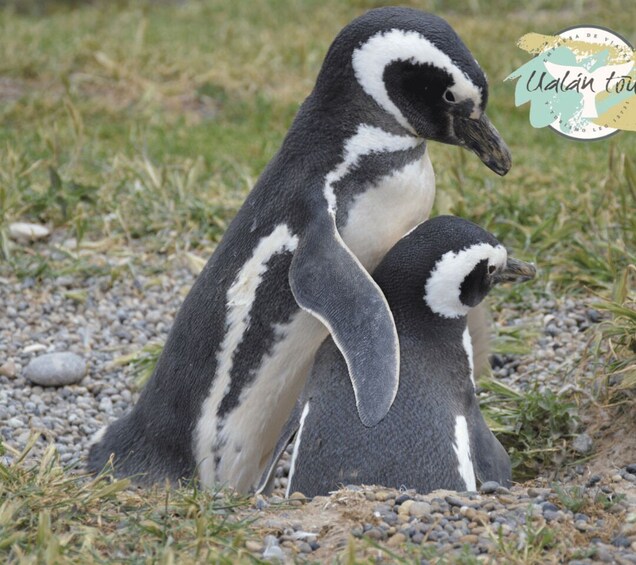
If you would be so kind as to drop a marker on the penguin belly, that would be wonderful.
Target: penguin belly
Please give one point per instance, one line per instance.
(379, 217)
(248, 434)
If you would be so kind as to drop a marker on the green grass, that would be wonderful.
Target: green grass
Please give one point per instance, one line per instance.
(128, 126)
(534, 426)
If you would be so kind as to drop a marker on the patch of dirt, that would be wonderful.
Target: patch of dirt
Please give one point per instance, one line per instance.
(330, 518)
(11, 89)
(614, 438)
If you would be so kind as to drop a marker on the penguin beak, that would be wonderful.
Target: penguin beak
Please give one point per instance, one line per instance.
(515, 271)
(481, 137)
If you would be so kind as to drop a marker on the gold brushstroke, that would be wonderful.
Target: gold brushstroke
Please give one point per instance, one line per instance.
(620, 116)
(536, 43)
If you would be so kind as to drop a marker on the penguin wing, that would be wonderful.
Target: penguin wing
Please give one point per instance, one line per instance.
(329, 282)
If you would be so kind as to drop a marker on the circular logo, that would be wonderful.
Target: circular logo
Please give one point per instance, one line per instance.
(594, 81)
(581, 82)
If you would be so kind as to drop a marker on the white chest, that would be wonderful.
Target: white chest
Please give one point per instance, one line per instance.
(389, 209)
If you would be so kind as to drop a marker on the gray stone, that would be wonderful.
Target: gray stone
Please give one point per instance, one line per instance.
(376, 534)
(489, 487)
(621, 541)
(15, 423)
(460, 501)
(272, 549)
(391, 518)
(56, 369)
(304, 547)
(583, 517)
(402, 498)
(603, 555)
(582, 444)
(419, 509)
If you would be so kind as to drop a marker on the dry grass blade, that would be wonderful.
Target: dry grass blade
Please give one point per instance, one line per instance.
(55, 516)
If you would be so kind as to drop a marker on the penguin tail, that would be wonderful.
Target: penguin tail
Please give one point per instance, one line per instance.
(123, 450)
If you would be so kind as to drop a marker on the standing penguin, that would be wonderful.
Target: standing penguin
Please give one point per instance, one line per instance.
(434, 435)
(352, 176)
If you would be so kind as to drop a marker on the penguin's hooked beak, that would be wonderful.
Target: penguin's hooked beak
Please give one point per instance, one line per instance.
(481, 137)
(515, 271)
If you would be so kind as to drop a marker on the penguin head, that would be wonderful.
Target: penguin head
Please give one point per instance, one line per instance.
(449, 263)
(414, 68)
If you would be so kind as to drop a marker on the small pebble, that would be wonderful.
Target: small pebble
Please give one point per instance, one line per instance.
(304, 547)
(376, 534)
(383, 495)
(396, 540)
(25, 232)
(551, 515)
(489, 487)
(272, 549)
(297, 499)
(458, 501)
(582, 444)
(419, 509)
(621, 541)
(402, 498)
(8, 369)
(603, 555)
(254, 546)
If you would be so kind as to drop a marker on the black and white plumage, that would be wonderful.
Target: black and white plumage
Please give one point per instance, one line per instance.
(434, 435)
(350, 179)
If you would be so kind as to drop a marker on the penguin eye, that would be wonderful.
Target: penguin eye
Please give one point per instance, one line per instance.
(491, 269)
(449, 96)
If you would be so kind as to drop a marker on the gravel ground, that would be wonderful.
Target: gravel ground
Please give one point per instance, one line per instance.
(102, 320)
(109, 321)
(497, 521)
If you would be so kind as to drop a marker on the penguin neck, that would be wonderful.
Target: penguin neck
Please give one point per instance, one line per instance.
(348, 107)
(429, 325)
(339, 123)
(443, 351)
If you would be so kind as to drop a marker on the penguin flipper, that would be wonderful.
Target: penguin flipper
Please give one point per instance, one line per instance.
(266, 483)
(329, 282)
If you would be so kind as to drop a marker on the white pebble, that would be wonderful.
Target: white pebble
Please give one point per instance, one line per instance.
(24, 232)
